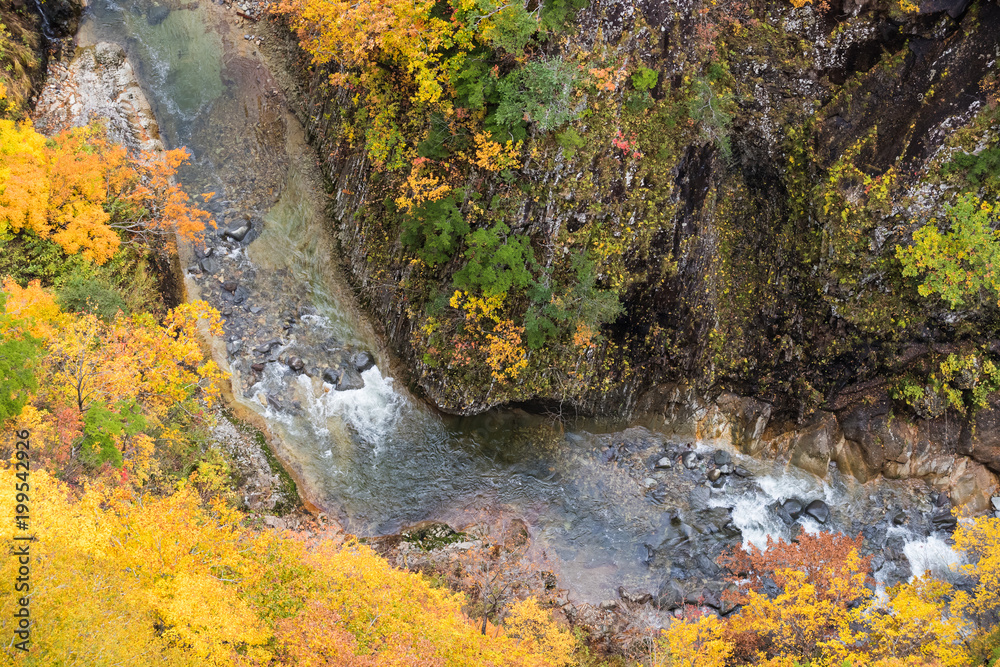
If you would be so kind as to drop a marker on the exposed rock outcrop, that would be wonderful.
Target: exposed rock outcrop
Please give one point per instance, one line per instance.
(98, 84)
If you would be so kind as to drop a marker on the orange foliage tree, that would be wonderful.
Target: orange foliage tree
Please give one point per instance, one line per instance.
(824, 611)
(84, 192)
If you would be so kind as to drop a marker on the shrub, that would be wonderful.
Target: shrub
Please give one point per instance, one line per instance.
(540, 92)
(644, 79)
(82, 294)
(961, 263)
(433, 229)
(497, 261)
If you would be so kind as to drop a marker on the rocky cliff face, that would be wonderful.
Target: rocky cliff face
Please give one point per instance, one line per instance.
(785, 153)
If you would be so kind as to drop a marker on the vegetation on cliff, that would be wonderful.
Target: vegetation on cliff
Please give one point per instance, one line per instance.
(663, 195)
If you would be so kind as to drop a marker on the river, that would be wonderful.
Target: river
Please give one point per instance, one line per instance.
(379, 459)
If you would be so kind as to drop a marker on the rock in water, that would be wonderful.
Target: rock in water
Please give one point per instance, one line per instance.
(296, 364)
(818, 510)
(363, 361)
(793, 507)
(238, 233)
(944, 520)
(722, 457)
(210, 265)
(635, 597)
(332, 375)
(157, 14)
(689, 459)
(350, 379)
(714, 474)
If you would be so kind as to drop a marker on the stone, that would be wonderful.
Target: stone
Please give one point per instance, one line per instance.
(995, 501)
(296, 364)
(635, 597)
(608, 605)
(714, 474)
(689, 459)
(210, 265)
(157, 14)
(706, 565)
(812, 447)
(257, 368)
(944, 520)
(664, 464)
(363, 361)
(785, 517)
(264, 348)
(332, 375)
(722, 457)
(274, 522)
(742, 472)
(726, 468)
(350, 380)
(649, 483)
(233, 346)
(237, 233)
(793, 507)
(230, 286)
(818, 510)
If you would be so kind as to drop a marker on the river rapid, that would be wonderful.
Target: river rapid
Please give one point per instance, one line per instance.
(610, 504)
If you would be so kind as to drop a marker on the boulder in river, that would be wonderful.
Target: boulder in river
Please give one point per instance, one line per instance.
(237, 233)
(332, 375)
(157, 14)
(722, 457)
(944, 520)
(818, 510)
(689, 459)
(350, 380)
(714, 474)
(793, 507)
(633, 596)
(210, 265)
(363, 361)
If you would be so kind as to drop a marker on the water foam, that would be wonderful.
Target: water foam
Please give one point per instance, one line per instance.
(372, 412)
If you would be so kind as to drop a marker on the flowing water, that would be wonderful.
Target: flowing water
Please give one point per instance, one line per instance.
(377, 458)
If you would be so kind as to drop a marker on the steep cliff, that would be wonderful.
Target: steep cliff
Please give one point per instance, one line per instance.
(791, 203)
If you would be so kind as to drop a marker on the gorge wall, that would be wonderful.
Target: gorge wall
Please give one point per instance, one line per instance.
(738, 177)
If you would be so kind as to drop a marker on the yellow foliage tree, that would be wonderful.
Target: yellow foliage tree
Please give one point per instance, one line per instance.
(62, 189)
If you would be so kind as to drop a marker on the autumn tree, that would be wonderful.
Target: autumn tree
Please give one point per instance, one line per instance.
(125, 379)
(85, 193)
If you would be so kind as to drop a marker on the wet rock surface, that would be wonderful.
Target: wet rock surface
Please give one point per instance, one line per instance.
(99, 83)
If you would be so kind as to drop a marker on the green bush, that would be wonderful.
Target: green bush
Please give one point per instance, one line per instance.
(101, 424)
(644, 79)
(571, 141)
(564, 305)
(961, 263)
(711, 105)
(434, 228)
(557, 15)
(513, 28)
(90, 294)
(540, 92)
(496, 261)
(981, 170)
